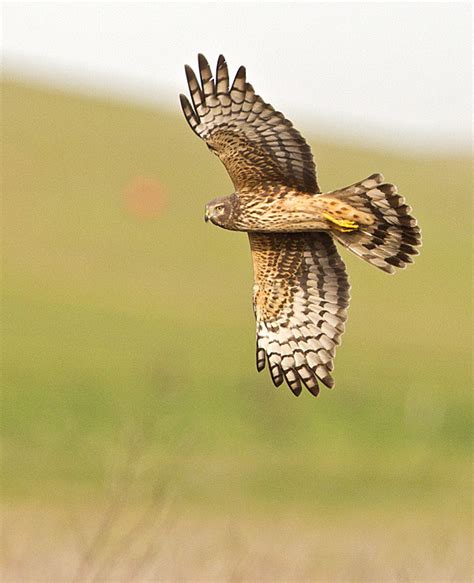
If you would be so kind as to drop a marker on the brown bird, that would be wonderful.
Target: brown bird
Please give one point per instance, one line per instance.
(301, 289)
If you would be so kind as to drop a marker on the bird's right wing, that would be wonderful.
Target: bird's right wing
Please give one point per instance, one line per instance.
(301, 295)
(257, 144)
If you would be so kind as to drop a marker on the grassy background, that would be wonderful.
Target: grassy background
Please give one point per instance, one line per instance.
(125, 334)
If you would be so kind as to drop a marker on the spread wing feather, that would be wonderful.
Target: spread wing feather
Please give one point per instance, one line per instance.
(257, 144)
(392, 239)
(301, 296)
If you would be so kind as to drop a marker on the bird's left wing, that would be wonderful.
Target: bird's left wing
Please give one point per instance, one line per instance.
(301, 295)
(257, 144)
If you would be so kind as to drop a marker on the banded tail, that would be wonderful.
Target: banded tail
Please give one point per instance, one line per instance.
(394, 236)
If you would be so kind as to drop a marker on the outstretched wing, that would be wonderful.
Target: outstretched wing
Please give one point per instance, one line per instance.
(301, 294)
(257, 144)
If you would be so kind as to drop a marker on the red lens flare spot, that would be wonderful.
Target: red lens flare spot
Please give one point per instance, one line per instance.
(144, 198)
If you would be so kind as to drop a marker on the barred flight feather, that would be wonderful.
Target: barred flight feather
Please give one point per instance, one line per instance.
(301, 295)
(394, 236)
(240, 128)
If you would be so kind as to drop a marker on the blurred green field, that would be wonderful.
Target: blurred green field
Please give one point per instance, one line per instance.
(116, 326)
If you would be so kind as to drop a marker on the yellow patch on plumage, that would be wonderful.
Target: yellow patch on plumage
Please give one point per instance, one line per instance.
(343, 225)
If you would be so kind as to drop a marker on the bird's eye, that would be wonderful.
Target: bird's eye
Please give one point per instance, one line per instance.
(219, 207)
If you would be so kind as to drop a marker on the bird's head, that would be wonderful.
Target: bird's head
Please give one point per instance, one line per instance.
(220, 211)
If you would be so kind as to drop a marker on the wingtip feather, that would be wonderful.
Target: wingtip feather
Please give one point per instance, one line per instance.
(239, 80)
(202, 61)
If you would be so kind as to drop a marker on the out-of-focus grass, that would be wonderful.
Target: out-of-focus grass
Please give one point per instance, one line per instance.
(111, 321)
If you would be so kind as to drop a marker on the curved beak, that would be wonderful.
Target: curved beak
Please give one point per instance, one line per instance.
(207, 215)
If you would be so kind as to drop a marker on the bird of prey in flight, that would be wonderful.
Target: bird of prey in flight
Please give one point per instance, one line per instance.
(301, 289)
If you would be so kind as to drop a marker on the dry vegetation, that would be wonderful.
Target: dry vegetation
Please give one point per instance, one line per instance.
(123, 539)
(168, 545)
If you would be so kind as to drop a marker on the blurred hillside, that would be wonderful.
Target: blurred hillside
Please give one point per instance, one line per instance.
(125, 313)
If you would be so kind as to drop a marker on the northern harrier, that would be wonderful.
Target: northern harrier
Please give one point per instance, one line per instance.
(301, 290)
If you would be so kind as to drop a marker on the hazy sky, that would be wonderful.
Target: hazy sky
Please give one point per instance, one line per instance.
(393, 73)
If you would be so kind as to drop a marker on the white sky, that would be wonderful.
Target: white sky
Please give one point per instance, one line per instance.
(397, 74)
